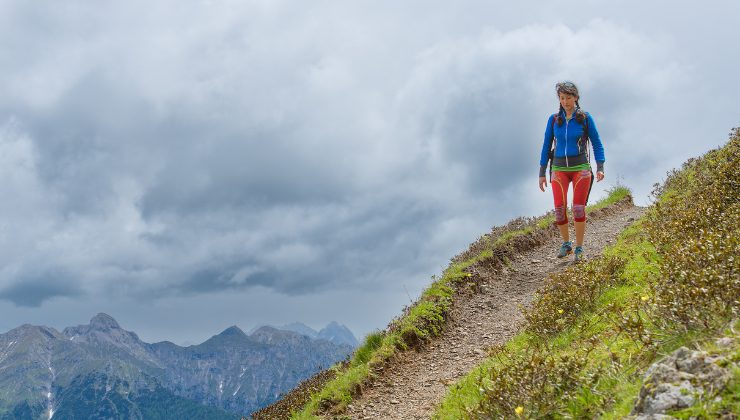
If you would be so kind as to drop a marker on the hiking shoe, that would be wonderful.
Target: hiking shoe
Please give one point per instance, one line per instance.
(565, 249)
(578, 256)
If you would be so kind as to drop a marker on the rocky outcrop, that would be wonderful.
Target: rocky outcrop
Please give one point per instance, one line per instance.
(681, 379)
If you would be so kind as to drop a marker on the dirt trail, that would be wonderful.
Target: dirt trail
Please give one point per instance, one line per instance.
(415, 382)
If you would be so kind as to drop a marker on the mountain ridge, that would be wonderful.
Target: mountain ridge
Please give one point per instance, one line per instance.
(230, 371)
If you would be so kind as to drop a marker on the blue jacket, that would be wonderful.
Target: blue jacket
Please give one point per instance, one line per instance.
(567, 138)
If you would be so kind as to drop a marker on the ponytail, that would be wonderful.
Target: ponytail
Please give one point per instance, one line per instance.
(559, 116)
(580, 115)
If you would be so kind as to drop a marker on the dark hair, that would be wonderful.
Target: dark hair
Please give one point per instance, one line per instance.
(580, 115)
(567, 87)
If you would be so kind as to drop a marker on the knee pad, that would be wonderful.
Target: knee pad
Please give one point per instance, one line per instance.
(561, 216)
(579, 212)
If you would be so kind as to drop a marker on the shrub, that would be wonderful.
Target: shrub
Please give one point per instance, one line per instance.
(694, 226)
(568, 294)
(534, 382)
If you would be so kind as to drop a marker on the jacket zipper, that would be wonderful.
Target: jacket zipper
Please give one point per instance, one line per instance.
(566, 141)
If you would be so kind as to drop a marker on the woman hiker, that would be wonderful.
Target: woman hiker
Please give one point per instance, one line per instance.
(570, 130)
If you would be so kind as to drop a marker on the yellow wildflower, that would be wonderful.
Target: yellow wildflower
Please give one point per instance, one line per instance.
(519, 410)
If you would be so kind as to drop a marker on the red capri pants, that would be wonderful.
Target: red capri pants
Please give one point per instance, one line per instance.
(560, 181)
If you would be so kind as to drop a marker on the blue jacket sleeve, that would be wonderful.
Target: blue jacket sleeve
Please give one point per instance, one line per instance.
(593, 135)
(545, 155)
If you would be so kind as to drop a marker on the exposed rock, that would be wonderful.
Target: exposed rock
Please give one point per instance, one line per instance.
(675, 382)
(666, 396)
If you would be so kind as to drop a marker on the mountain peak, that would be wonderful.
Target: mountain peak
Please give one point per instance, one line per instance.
(28, 330)
(233, 331)
(230, 336)
(338, 334)
(265, 329)
(300, 328)
(103, 321)
(270, 335)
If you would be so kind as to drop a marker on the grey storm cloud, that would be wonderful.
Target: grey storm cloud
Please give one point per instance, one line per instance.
(38, 283)
(292, 182)
(183, 149)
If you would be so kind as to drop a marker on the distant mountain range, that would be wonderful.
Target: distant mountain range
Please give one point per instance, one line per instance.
(333, 333)
(100, 370)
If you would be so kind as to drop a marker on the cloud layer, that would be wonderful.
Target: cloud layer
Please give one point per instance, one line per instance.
(154, 151)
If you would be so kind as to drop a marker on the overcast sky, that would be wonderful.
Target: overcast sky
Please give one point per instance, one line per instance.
(189, 165)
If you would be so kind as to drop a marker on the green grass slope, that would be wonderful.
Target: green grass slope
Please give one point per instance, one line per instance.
(672, 279)
(426, 317)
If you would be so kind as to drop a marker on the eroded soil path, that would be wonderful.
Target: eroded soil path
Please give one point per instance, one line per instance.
(415, 382)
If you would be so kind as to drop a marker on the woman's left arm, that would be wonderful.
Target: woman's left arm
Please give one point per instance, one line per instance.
(593, 135)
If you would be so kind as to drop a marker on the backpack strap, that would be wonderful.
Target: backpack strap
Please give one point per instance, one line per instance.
(586, 136)
(585, 139)
(551, 155)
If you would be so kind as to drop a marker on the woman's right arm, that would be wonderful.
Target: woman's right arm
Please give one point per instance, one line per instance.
(545, 155)
(546, 144)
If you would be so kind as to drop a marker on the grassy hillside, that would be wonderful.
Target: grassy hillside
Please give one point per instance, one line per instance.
(426, 318)
(671, 280)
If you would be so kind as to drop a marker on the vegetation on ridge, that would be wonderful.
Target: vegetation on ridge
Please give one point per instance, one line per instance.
(426, 318)
(672, 279)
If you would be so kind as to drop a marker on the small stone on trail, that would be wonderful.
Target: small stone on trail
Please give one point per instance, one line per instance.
(724, 342)
(536, 261)
(395, 402)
